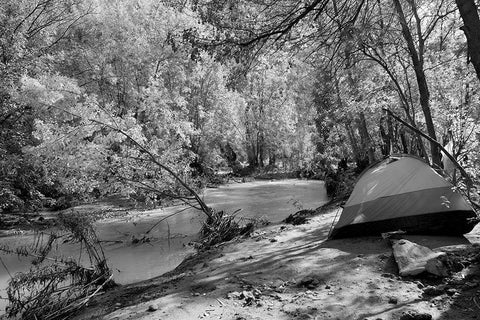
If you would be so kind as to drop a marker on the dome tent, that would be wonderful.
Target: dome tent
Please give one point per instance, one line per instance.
(404, 193)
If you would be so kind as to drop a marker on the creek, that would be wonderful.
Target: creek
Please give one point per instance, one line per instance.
(270, 200)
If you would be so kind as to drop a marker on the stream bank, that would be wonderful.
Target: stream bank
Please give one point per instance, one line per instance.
(292, 272)
(169, 241)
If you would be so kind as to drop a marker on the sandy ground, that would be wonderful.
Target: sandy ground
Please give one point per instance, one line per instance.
(292, 272)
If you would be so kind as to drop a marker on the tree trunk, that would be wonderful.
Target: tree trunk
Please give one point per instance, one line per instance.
(403, 139)
(272, 159)
(353, 142)
(391, 135)
(365, 137)
(471, 28)
(417, 61)
(386, 147)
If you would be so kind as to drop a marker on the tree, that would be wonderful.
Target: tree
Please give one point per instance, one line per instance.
(469, 13)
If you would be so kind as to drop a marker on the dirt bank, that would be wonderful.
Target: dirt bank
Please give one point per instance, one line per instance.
(292, 272)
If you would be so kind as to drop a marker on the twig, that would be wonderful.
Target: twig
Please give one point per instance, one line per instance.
(164, 218)
(96, 291)
(5, 266)
(476, 303)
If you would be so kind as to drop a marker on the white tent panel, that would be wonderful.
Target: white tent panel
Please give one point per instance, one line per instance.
(388, 178)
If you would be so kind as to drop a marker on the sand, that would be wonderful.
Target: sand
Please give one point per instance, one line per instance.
(292, 272)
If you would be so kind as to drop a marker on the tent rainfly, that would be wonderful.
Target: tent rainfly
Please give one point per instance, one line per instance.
(404, 193)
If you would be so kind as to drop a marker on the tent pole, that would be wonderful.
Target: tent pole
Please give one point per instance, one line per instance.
(462, 170)
(331, 227)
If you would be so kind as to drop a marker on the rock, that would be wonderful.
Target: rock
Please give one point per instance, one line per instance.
(393, 234)
(310, 282)
(392, 300)
(152, 308)
(415, 316)
(438, 266)
(412, 259)
(234, 295)
(451, 291)
(247, 295)
(433, 291)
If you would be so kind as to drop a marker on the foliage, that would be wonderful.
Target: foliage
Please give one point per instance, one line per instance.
(205, 85)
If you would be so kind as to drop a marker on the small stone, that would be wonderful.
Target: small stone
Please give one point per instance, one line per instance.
(152, 308)
(451, 291)
(310, 282)
(273, 240)
(392, 300)
(247, 295)
(432, 291)
(257, 293)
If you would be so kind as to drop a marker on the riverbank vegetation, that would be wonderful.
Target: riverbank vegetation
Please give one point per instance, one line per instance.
(154, 100)
(56, 287)
(100, 98)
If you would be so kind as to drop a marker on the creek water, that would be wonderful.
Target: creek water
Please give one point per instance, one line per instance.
(271, 200)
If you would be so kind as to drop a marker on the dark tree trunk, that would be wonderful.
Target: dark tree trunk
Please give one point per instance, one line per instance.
(272, 159)
(260, 150)
(403, 139)
(366, 141)
(417, 61)
(353, 142)
(386, 140)
(391, 135)
(471, 28)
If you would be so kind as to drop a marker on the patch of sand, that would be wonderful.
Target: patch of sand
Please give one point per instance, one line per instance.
(288, 272)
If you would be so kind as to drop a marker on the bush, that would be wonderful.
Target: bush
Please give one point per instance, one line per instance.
(339, 185)
(9, 201)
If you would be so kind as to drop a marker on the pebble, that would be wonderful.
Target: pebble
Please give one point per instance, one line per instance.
(451, 291)
(432, 291)
(233, 295)
(392, 300)
(152, 308)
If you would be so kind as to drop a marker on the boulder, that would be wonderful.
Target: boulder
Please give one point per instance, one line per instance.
(413, 259)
